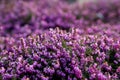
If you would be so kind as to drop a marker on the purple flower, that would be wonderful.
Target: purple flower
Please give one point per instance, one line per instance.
(100, 76)
(78, 72)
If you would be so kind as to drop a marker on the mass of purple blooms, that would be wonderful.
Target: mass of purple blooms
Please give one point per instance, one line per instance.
(59, 40)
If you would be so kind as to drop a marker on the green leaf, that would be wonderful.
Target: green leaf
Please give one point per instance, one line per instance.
(30, 61)
(68, 48)
(64, 45)
(88, 51)
(14, 78)
(0, 77)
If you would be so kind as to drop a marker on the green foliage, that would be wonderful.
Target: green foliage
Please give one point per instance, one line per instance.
(88, 51)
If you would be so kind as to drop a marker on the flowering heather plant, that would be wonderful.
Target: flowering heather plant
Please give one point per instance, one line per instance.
(6, 41)
(62, 55)
(84, 46)
(101, 11)
(54, 13)
(103, 29)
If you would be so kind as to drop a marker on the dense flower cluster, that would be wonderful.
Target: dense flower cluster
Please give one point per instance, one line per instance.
(62, 55)
(59, 40)
(20, 15)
